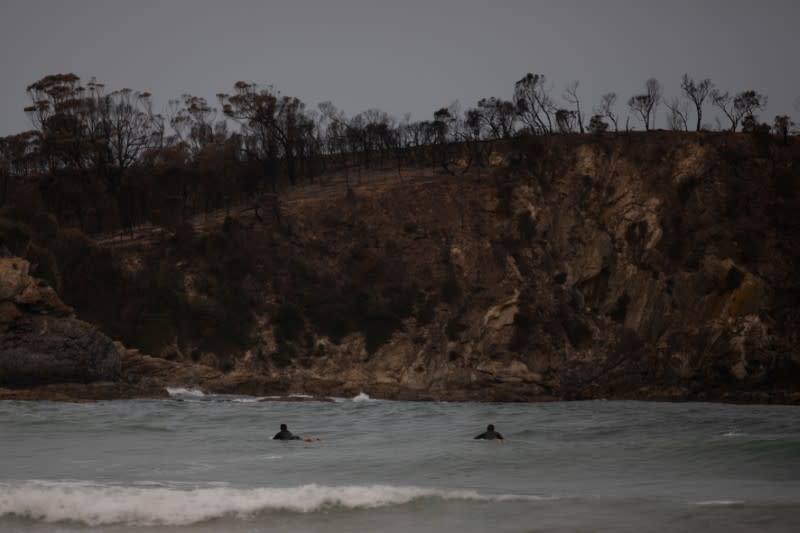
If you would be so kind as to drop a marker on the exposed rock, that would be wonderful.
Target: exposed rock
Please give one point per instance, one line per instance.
(13, 277)
(642, 266)
(625, 279)
(502, 315)
(42, 342)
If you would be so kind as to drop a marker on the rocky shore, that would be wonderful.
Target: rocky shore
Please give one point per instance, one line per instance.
(659, 267)
(41, 341)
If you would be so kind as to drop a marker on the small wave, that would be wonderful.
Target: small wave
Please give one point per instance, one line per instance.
(720, 503)
(98, 505)
(734, 433)
(362, 397)
(170, 484)
(181, 391)
(276, 397)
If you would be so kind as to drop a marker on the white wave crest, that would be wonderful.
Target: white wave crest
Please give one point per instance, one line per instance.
(97, 505)
(720, 503)
(247, 400)
(734, 433)
(362, 397)
(181, 391)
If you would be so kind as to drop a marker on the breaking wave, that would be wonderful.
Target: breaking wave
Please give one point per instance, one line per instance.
(97, 505)
(362, 397)
(181, 391)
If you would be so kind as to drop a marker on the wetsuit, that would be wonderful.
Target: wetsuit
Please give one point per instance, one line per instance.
(490, 434)
(285, 434)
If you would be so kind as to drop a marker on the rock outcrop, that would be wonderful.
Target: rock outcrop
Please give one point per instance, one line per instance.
(41, 341)
(661, 266)
(650, 266)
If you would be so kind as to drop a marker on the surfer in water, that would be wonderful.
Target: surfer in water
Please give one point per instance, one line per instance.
(490, 434)
(285, 434)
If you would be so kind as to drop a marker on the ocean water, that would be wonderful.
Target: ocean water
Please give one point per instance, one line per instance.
(207, 463)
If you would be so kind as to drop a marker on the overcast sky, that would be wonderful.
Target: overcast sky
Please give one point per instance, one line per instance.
(400, 55)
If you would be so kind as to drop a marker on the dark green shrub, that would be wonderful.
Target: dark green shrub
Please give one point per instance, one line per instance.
(283, 356)
(577, 332)
(425, 312)
(44, 265)
(15, 236)
(288, 322)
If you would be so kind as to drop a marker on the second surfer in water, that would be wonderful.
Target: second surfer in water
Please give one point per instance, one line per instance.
(285, 434)
(490, 434)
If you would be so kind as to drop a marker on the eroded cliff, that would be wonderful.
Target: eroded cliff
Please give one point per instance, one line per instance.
(652, 266)
(639, 266)
(41, 341)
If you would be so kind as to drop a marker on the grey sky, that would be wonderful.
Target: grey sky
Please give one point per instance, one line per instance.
(399, 56)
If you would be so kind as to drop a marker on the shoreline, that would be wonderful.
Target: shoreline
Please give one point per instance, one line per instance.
(111, 391)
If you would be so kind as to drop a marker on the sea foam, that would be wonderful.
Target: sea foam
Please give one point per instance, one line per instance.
(181, 391)
(97, 505)
(362, 397)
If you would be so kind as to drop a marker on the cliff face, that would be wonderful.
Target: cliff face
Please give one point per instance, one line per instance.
(41, 342)
(652, 265)
(658, 266)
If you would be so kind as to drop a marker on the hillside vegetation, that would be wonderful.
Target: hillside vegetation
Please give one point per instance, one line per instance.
(635, 265)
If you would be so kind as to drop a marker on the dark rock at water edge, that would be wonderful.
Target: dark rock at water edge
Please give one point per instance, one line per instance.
(41, 341)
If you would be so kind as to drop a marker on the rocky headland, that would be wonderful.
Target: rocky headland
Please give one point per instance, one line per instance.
(647, 266)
